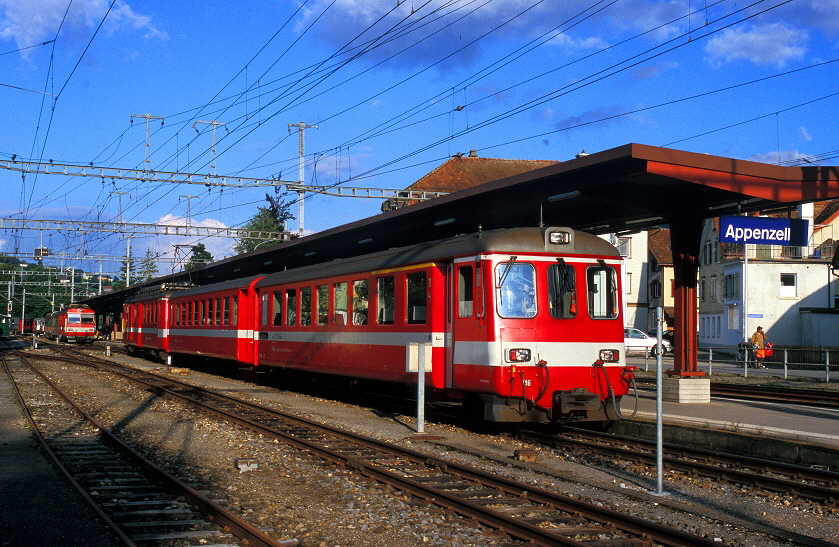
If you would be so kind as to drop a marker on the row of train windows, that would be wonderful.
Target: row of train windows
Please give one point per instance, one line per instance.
(515, 285)
(151, 312)
(222, 311)
(350, 303)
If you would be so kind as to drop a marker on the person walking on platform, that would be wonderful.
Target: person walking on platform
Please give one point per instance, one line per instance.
(759, 345)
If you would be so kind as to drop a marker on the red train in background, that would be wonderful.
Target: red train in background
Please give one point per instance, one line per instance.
(72, 324)
(523, 324)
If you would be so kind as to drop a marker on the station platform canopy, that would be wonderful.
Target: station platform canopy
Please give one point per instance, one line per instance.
(621, 190)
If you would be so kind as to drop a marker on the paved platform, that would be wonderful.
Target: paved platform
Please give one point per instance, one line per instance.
(780, 420)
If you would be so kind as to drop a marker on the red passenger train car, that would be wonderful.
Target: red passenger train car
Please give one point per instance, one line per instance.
(72, 324)
(521, 324)
(146, 320)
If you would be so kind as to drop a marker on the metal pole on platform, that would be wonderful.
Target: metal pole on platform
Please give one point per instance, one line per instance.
(659, 425)
(421, 388)
(710, 361)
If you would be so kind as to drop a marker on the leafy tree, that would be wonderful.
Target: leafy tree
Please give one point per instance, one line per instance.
(272, 218)
(148, 267)
(200, 257)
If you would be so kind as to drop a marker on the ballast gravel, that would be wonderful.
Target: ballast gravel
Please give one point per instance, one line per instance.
(293, 495)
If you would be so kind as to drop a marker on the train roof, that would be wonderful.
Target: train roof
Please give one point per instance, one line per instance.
(224, 285)
(512, 240)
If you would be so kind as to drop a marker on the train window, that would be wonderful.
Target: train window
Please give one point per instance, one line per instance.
(516, 289)
(278, 308)
(226, 314)
(183, 314)
(189, 312)
(417, 297)
(322, 304)
(305, 306)
(340, 305)
(359, 302)
(264, 309)
(602, 292)
(234, 312)
(562, 290)
(218, 312)
(384, 300)
(290, 307)
(465, 292)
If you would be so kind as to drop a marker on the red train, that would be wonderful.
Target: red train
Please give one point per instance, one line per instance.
(71, 325)
(523, 324)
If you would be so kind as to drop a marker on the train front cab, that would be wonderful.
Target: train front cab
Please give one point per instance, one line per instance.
(540, 338)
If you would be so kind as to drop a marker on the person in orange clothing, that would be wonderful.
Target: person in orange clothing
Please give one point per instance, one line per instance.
(759, 344)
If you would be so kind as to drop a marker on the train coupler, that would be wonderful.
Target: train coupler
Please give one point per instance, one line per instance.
(575, 401)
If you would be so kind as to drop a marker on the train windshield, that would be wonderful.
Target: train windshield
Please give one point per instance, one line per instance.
(79, 318)
(515, 285)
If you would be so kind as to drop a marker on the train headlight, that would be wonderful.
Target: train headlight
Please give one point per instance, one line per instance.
(518, 355)
(610, 355)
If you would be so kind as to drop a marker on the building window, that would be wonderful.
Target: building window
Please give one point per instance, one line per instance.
(731, 286)
(625, 247)
(655, 289)
(713, 288)
(788, 286)
(702, 290)
(733, 318)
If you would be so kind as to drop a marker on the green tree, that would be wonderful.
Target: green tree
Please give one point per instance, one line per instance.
(148, 267)
(200, 257)
(272, 218)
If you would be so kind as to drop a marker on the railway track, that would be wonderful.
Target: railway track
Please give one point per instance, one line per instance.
(143, 504)
(519, 510)
(819, 485)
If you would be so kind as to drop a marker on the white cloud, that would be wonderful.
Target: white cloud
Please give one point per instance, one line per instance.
(30, 22)
(772, 44)
(805, 134)
(779, 157)
(217, 246)
(570, 44)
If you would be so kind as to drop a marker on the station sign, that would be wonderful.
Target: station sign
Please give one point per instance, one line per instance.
(790, 232)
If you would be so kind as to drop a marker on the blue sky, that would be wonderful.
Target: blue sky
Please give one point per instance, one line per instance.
(394, 88)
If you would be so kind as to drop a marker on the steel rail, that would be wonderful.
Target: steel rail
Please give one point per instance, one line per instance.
(647, 531)
(231, 522)
(33, 427)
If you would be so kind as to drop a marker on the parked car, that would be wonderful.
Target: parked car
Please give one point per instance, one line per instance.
(637, 341)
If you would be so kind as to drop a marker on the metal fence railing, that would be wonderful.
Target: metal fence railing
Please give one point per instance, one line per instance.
(814, 361)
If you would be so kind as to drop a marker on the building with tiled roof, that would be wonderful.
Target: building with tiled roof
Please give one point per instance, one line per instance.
(460, 172)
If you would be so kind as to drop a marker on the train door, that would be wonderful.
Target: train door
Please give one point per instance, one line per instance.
(465, 319)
